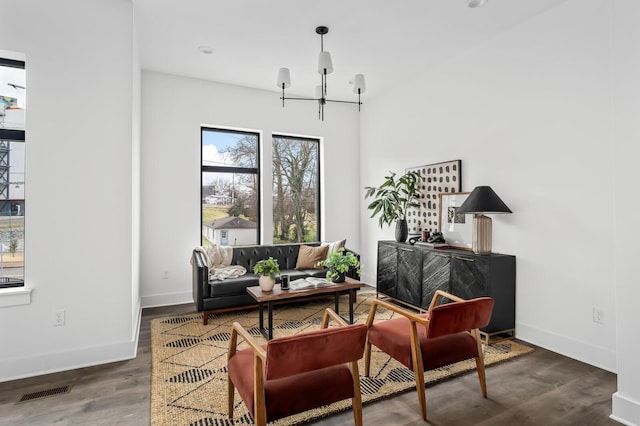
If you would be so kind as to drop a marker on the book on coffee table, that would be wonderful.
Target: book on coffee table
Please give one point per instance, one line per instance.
(309, 282)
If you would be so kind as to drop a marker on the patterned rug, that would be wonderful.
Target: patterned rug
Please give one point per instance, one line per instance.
(188, 377)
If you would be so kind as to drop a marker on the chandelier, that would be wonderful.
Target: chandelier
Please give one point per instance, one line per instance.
(325, 66)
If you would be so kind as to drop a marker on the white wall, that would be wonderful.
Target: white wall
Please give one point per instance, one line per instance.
(529, 113)
(173, 110)
(625, 68)
(79, 192)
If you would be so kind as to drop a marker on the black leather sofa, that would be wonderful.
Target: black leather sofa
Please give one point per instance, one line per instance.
(231, 293)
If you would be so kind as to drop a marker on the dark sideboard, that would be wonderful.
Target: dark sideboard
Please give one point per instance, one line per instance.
(411, 274)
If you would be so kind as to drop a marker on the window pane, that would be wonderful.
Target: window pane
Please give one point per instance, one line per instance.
(229, 149)
(12, 148)
(229, 188)
(296, 201)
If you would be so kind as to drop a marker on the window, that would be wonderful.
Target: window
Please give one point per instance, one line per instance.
(229, 182)
(12, 144)
(296, 189)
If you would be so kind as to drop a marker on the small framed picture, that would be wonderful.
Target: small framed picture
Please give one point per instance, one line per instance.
(456, 228)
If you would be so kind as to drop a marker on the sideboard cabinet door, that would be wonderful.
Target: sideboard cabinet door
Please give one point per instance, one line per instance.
(435, 275)
(409, 275)
(469, 276)
(387, 269)
(491, 275)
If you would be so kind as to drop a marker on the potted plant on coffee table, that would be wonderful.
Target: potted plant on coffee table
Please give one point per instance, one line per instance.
(339, 263)
(267, 269)
(393, 199)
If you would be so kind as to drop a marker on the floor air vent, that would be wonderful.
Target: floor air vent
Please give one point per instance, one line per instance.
(44, 394)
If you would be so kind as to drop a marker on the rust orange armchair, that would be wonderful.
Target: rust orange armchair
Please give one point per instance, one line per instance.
(446, 334)
(296, 373)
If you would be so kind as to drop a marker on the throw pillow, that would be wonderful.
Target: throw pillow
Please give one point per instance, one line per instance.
(309, 257)
(334, 246)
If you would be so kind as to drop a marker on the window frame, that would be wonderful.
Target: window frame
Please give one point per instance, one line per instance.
(15, 135)
(317, 140)
(226, 169)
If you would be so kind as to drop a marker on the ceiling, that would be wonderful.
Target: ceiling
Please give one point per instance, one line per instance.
(387, 41)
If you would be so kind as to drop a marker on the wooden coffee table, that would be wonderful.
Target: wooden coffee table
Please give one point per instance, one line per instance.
(279, 296)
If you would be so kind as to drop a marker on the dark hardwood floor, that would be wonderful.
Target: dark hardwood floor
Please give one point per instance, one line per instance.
(542, 388)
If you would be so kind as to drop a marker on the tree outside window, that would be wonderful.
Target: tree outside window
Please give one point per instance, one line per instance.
(296, 189)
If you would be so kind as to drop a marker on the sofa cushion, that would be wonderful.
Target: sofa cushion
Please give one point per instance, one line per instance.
(232, 286)
(334, 246)
(309, 257)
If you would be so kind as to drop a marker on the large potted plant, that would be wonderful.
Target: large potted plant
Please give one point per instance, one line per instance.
(338, 264)
(267, 269)
(393, 199)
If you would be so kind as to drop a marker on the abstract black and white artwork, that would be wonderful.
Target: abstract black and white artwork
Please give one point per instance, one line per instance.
(434, 179)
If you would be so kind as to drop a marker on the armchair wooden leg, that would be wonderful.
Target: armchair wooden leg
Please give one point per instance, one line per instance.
(480, 362)
(230, 396)
(418, 371)
(357, 398)
(481, 375)
(367, 358)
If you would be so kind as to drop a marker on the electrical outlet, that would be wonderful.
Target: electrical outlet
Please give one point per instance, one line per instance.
(165, 275)
(598, 315)
(58, 317)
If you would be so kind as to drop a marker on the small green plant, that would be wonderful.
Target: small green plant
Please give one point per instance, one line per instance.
(339, 262)
(267, 267)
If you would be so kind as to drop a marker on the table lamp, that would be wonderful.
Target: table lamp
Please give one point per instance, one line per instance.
(482, 200)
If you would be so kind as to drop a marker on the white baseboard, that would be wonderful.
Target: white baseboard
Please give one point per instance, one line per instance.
(54, 362)
(370, 280)
(167, 299)
(597, 356)
(625, 411)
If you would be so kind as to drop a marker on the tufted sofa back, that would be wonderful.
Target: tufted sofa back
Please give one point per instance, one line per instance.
(285, 254)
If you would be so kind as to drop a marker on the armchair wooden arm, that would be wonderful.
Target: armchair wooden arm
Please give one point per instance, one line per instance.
(443, 294)
(260, 356)
(408, 314)
(331, 314)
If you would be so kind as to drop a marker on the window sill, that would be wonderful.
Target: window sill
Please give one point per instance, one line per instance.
(15, 296)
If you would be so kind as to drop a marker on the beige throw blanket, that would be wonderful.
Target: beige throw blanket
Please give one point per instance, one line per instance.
(218, 259)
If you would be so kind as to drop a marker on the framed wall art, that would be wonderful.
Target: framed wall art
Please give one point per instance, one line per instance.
(456, 228)
(434, 179)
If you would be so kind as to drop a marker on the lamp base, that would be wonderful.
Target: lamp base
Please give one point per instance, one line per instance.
(481, 234)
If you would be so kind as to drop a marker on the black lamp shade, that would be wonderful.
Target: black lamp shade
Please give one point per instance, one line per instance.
(483, 200)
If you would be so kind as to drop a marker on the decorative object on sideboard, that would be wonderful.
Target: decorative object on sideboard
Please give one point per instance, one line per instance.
(434, 179)
(325, 66)
(267, 269)
(393, 199)
(483, 200)
(455, 226)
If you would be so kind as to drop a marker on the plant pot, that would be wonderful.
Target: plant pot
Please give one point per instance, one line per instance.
(402, 230)
(266, 283)
(339, 278)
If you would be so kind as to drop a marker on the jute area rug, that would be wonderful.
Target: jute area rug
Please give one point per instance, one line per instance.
(188, 377)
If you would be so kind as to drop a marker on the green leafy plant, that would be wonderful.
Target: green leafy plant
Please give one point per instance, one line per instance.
(394, 197)
(267, 267)
(339, 262)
